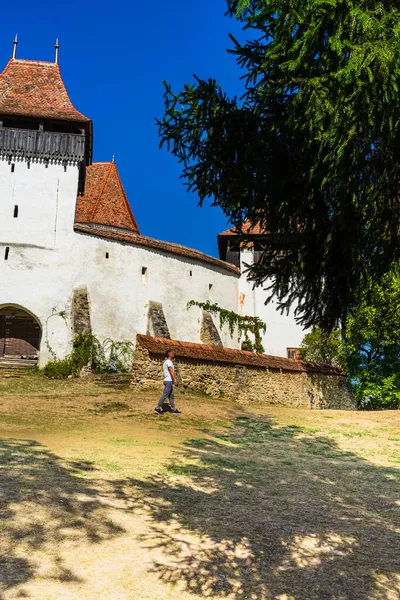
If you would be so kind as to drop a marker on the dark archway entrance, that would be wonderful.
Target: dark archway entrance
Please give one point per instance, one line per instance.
(20, 333)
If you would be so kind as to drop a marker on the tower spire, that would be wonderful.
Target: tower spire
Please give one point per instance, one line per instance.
(14, 55)
(56, 47)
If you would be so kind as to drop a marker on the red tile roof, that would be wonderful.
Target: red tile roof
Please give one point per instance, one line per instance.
(228, 355)
(246, 229)
(104, 201)
(35, 89)
(136, 239)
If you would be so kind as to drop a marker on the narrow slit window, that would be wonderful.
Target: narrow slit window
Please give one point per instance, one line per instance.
(6, 253)
(191, 273)
(210, 291)
(12, 167)
(144, 275)
(107, 255)
(15, 211)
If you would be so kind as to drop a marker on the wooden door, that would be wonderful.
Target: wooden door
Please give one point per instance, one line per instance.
(2, 335)
(19, 337)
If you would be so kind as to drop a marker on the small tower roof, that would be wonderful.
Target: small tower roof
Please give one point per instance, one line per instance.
(105, 202)
(246, 229)
(31, 88)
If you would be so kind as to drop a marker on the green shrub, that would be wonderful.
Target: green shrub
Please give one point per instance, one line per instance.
(57, 369)
(88, 351)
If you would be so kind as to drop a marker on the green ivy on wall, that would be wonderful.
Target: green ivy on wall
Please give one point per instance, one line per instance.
(245, 324)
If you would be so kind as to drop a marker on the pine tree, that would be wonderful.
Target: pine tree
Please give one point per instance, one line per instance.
(310, 151)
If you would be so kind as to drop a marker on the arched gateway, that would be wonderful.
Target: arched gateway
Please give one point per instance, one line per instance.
(20, 333)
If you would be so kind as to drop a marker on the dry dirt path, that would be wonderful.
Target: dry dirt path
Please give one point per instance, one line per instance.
(99, 498)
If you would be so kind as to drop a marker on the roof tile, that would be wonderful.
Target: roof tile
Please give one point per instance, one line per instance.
(231, 356)
(246, 229)
(104, 201)
(35, 89)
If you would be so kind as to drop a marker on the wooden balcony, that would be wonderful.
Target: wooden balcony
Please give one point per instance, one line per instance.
(45, 145)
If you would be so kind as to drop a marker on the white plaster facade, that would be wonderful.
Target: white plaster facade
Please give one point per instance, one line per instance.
(282, 330)
(47, 260)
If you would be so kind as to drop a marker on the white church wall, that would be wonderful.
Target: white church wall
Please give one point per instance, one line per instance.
(42, 281)
(45, 201)
(246, 295)
(120, 293)
(31, 279)
(282, 330)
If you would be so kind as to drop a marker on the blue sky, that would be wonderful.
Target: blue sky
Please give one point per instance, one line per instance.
(114, 57)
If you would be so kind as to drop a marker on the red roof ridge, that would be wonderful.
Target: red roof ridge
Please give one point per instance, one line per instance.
(113, 168)
(66, 92)
(30, 61)
(232, 356)
(128, 206)
(182, 247)
(6, 67)
(103, 187)
(132, 237)
(28, 89)
(247, 228)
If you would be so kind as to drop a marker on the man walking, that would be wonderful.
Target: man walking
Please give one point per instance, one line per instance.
(169, 380)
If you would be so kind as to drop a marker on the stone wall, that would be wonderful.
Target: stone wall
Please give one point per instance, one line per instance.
(208, 332)
(81, 312)
(243, 382)
(156, 321)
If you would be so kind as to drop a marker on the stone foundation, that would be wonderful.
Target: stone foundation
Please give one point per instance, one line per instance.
(156, 321)
(208, 332)
(81, 323)
(297, 384)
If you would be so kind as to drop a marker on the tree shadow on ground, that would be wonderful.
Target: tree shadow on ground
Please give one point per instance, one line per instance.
(44, 503)
(268, 512)
(114, 381)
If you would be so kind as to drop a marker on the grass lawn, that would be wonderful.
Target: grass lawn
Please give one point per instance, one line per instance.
(101, 499)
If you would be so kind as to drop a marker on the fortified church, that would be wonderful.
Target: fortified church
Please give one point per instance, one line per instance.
(72, 257)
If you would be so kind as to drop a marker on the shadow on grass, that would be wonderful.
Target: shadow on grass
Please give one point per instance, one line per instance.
(268, 512)
(114, 381)
(44, 503)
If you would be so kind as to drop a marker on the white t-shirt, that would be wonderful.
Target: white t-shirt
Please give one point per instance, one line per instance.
(167, 374)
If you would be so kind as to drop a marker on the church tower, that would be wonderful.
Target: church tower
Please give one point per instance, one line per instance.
(45, 147)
